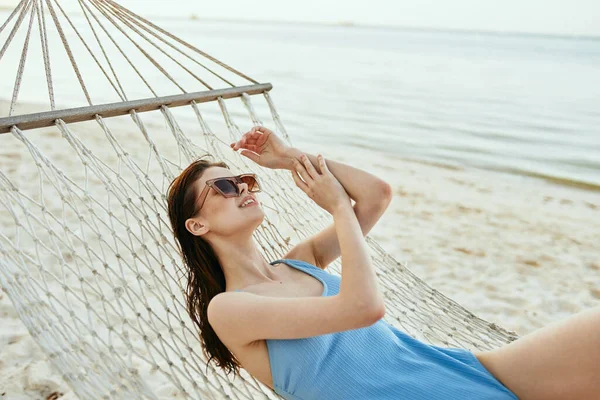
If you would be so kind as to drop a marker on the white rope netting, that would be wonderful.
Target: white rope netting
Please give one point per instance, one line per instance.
(88, 258)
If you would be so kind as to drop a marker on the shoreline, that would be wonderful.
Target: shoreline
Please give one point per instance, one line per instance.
(500, 171)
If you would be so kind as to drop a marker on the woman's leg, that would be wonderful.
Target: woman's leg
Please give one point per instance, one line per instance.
(560, 361)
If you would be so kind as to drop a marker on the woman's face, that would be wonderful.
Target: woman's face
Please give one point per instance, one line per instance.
(224, 215)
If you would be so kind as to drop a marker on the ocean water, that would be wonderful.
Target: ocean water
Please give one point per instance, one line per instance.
(521, 104)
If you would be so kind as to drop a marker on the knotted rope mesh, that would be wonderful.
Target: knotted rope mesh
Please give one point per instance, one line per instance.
(88, 258)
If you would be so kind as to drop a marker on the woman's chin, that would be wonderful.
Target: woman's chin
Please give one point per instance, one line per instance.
(253, 213)
(260, 217)
(252, 209)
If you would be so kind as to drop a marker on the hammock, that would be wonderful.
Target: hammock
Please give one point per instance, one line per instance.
(87, 255)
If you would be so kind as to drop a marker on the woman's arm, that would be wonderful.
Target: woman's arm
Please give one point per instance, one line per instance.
(371, 195)
(241, 318)
(361, 186)
(358, 273)
(265, 148)
(359, 281)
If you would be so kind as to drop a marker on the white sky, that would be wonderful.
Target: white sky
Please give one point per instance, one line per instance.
(571, 17)
(564, 17)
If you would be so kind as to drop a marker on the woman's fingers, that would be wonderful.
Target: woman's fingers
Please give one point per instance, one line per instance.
(299, 182)
(256, 136)
(261, 138)
(246, 139)
(322, 164)
(301, 170)
(236, 145)
(251, 155)
(309, 167)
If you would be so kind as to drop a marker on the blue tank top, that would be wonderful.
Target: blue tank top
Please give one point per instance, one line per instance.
(377, 362)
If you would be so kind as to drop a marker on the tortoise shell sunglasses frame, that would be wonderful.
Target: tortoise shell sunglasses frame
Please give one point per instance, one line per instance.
(227, 186)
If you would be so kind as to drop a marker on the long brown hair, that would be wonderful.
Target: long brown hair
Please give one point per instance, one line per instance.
(205, 275)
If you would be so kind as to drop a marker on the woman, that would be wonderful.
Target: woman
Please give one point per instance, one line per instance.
(308, 334)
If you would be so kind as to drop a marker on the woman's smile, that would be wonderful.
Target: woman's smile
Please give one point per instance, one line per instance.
(249, 203)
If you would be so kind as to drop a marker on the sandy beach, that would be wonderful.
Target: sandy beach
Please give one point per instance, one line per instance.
(513, 250)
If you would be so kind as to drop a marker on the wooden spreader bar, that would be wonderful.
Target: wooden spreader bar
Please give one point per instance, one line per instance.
(69, 115)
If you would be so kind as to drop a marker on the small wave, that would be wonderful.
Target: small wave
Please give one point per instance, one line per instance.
(555, 179)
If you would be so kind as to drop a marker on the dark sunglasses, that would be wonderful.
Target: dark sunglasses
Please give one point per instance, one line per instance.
(228, 186)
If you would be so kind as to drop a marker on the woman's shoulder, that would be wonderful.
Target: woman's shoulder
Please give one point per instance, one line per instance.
(296, 263)
(303, 253)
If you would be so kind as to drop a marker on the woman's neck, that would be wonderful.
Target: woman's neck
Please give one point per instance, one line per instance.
(243, 264)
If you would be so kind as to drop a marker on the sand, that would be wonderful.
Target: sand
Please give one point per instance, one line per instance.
(513, 250)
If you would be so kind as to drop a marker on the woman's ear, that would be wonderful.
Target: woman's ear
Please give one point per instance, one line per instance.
(196, 227)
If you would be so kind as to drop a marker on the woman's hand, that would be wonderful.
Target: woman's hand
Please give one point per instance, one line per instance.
(323, 188)
(265, 148)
